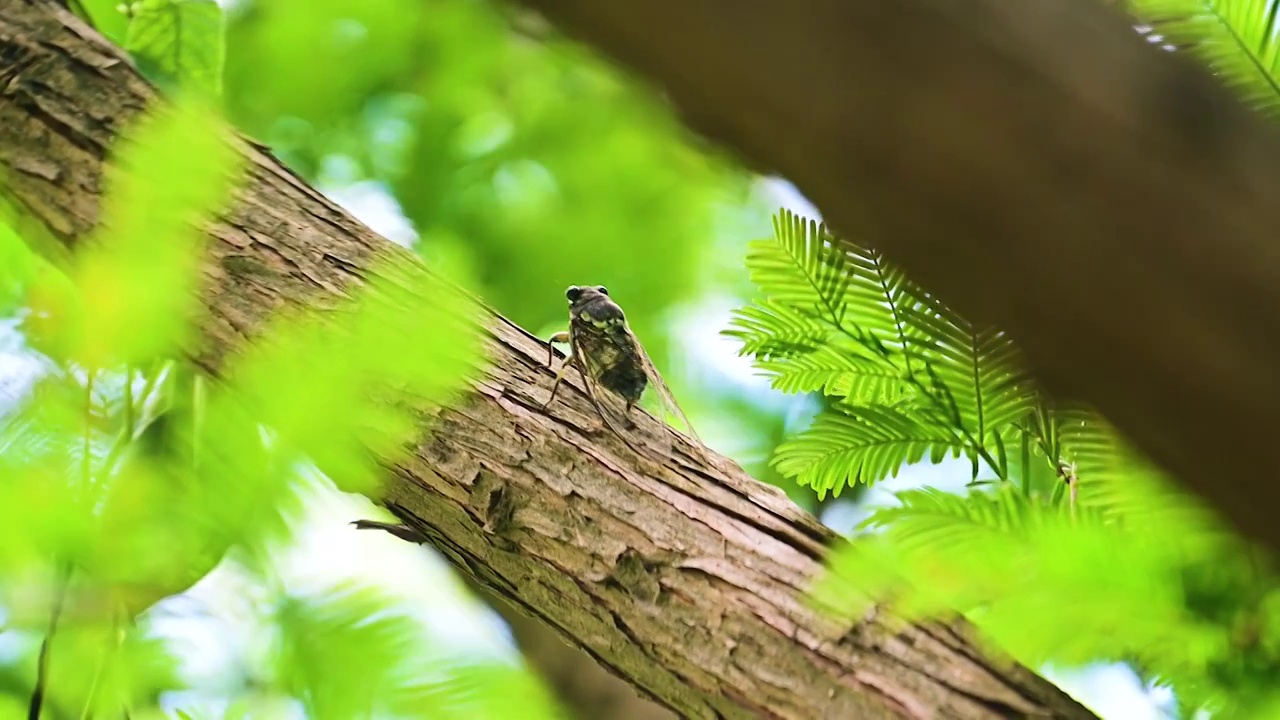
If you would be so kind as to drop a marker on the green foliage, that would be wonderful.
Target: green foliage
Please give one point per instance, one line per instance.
(1077, 552)
(344, 654)
(108, 17)
(500, 142)
(141, 268)
(126, 468)
(364, 357)
(1237, 39)
(179, 43)
(20, 265)
(910, 378)
(493, 134)
(1172, 592)
(866, 443)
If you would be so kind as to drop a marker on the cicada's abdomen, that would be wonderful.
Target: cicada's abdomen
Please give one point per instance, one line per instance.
(600, 330)
(626, 379)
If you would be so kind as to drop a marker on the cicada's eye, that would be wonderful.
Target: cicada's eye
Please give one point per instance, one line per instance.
(573, 293)
(603, 290)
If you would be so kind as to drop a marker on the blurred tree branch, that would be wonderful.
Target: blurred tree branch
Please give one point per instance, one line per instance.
(685, 578)
(1040, 167)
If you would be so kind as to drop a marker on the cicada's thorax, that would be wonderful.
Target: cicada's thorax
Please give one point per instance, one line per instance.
(599, 330)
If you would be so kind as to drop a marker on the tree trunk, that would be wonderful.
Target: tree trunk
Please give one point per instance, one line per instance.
(1039, 166)
(581, 684)
(684, 577)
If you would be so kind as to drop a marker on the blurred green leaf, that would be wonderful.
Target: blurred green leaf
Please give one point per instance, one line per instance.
(180, 43)
(138, 273)
(500, 143)
(325, 56)
(348, 653)
(108, 17)
(17, 266)
(348, 389)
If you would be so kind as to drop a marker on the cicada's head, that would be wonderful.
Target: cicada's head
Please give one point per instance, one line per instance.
(593, 302)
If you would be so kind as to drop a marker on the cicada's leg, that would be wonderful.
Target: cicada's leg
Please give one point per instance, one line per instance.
(568, 362)
(560, 337)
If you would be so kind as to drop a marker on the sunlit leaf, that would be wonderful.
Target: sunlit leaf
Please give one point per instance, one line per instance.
(866, 443)
(346, 388)
(349, 652)
(180, 42)
(1238, 39)
(138, 274)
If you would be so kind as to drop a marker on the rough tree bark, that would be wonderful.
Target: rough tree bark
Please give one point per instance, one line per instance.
(684, 577)
(1036, 164)
(581, 684)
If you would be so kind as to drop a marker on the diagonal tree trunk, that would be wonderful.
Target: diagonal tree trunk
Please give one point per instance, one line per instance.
(1037, 165)
(581, 684)
(685, 577)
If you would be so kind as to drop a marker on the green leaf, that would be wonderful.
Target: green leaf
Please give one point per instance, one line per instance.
(179, 42)
(1237, 39)
(108, 17)
(17, 268)
(986, 387)
(929, 516)
(866, 443)
(837, 372)
(803, 267)
(773, 330)
(351, 652)
(138, 274)
(988, 555)
(1048, 583)
(832, 318)
(350, 387)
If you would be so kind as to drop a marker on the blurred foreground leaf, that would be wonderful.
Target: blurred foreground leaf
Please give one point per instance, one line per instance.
(179, 43)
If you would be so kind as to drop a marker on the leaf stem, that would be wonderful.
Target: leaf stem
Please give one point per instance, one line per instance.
(1026, 463)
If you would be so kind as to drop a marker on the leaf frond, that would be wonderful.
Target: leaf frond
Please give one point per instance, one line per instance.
(1238, 39)
(863, 443)
(986, 385)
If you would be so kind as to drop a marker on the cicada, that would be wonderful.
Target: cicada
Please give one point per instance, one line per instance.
(607, 355)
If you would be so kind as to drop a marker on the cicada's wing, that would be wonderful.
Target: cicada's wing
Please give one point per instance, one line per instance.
(590, 372)
(669, 403)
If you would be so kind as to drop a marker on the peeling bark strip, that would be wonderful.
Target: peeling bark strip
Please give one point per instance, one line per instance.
(1040, 167)
(683, 578)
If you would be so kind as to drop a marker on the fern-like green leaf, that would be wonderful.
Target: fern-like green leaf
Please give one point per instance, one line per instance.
(771, 330)
(986, 387)
(923, 511)
(351, 653)
(866, 443)
(1237, 39)
(801, 266)
(833, 319)
(851, 288)
(930, 518)
(838, 372)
